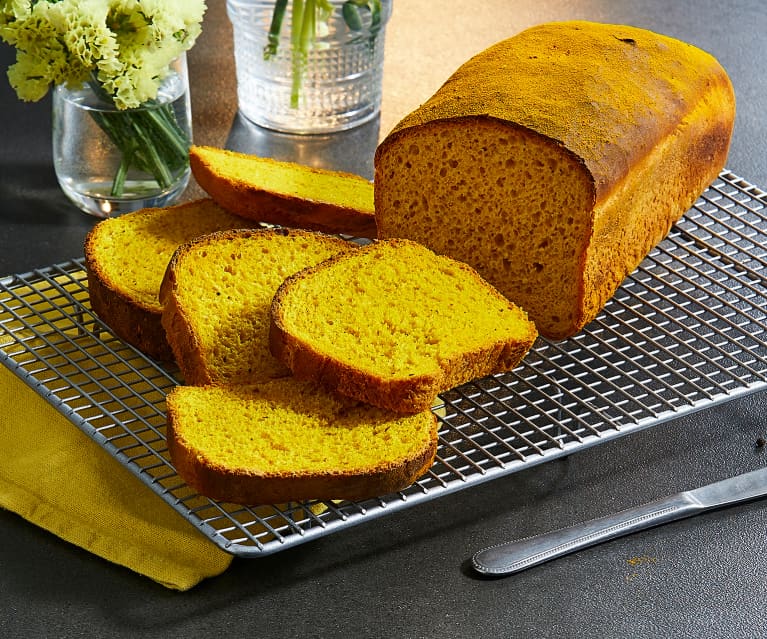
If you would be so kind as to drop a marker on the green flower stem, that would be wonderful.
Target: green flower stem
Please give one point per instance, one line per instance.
(274, 29)
(148, 139)
(164, 120)
(122, 172)
(151, 156)
(306, 15)
(302, 35)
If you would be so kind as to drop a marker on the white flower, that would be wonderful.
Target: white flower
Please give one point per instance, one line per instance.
(126, 45)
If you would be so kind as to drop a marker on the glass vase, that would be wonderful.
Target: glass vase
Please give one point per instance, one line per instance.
(110, 161)
(309, 80)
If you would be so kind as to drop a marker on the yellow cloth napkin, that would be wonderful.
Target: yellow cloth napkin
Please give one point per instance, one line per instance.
(53, 475)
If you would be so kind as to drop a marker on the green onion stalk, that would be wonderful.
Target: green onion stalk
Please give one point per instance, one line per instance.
(310, 18)
(149, 139)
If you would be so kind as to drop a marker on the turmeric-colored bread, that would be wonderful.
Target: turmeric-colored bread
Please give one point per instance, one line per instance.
(555, 160)
(393, 324)
(216, 296)
(125, 261)
(286, 193)
(285, 440)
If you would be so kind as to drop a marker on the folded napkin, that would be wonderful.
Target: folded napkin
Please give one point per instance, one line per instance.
(56, 477)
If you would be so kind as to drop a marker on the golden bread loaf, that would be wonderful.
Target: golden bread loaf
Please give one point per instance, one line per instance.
(216, 296)
(555, 160)
(284, 440)
(393, 324)
(285, 193)
(125, 261)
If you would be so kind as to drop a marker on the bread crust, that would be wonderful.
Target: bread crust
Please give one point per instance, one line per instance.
(249, 486)
(179, 334)
(131, 321)
(253, 202)
(409, 395)
(240, 487)
(608, 137)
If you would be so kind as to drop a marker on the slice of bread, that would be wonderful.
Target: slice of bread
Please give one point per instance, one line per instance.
(286, 193)
(394, 324)
(285, 440)
(125, 261)
(216, 296)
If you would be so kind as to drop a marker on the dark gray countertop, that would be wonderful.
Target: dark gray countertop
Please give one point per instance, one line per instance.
(406, 575)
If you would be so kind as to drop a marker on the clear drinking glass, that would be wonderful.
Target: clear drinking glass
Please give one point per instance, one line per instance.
(287, 85)
(109, 161)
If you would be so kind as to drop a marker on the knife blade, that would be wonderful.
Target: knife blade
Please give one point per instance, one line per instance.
(514, 556)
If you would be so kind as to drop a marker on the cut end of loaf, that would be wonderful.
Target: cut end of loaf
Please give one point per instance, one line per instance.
(498, 197)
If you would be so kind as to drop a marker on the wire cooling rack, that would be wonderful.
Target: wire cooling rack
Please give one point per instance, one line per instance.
(684, 332)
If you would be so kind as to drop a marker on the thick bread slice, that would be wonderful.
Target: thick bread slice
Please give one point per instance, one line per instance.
(216, 296)
(393, 324)
(126, 258)
(286, 193)
(555, 160)
(286, 440)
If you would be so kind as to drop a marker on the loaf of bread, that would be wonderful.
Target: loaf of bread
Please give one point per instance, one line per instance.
(285, 440)
(125, 261)
(216, 296)
(393, 324)
(285, 193)
(555, 160)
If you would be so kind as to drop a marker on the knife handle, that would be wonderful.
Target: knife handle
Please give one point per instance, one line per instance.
(515, 556)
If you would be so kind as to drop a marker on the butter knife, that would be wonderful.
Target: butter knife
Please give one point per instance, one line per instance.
(514, 556)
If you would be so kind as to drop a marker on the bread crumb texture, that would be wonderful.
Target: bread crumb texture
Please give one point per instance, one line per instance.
(398, 310)
(130, 253)
(284, 427)
(222, 289)
(287, 178)
(479, 174)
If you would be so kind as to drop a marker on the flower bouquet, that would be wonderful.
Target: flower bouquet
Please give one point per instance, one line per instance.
(121, 52)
